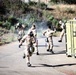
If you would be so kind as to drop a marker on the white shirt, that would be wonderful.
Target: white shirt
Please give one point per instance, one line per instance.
(48, 32)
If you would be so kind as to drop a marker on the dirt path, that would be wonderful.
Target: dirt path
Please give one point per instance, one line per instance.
(12, 63)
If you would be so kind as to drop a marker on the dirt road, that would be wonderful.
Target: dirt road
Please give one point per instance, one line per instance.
(12, 63)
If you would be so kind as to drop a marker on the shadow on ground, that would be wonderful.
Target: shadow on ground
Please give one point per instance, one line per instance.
(61, 52)
(59, 65)
(42, 45)
(55, 53)
(46, 45)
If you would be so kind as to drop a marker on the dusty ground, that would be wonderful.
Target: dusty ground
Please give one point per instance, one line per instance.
(12, 63)
(63, 11)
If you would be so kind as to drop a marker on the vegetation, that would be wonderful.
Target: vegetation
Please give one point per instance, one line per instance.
(64, 1)
(13, 11)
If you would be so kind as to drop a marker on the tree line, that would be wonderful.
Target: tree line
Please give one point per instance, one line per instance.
(64, 1)
(17, 6)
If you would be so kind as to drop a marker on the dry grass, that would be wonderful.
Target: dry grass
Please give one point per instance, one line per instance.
(6, 36)
(63, 11)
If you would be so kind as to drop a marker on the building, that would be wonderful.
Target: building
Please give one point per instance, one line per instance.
(26, 1)
(41, 1)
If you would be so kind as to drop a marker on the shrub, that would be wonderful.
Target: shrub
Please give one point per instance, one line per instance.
(32, 3)
(12, 20)
(7, 25)
(69, 10)
(54, 1)
(1, 23)
(43, 6)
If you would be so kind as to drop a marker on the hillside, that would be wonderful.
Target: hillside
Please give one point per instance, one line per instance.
(63, 11)
(17, 8)
(58, 11)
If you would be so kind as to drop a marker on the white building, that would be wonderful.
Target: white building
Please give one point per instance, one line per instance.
(44, 1)
(26, 1)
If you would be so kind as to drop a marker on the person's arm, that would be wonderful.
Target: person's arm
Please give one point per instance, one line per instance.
(52, 31)
(34, 40)
(35, 33)
(28, 31)
(22, 40)
(44, 33)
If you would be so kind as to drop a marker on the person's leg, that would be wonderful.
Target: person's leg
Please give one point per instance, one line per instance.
(24, 56)
(61, 36)
(19, 39)
(28, 61)
(48, 46)
(36, 47)
(51, 44)
(26, 52)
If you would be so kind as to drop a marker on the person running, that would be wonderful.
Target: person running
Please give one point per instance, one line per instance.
(29, 46)
(20, 28)
(62, 32)
(49, 33)
(33, 29)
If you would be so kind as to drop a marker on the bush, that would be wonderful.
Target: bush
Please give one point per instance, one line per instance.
(12, 20)
(69, 10)
(24, 6)
(32, 3)
(54, 1)
(64, 1)
(51, 17)
(21, 21)
(7, 25)
(1, 23)
(54, 22)
(43, 6)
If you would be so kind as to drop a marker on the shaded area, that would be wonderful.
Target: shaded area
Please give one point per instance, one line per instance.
(2, 10)
(59, 65)
(56, 45)
(41, 54)
(3, 67)
(61, 52)
(42, 45)
(55, 53)
(50, 9)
